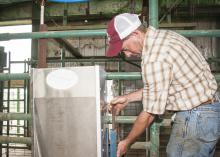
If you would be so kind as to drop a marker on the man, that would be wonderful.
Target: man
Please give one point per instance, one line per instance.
(176, 77)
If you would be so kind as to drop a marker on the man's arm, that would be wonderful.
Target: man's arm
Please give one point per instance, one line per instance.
(142, 122)
(135, 96)
(120, 102)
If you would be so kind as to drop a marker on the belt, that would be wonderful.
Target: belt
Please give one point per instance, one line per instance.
(210, 101)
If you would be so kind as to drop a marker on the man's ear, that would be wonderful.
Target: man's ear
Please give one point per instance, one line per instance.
(136, 33)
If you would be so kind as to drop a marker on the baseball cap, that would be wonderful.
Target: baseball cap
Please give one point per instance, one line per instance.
(119, 28)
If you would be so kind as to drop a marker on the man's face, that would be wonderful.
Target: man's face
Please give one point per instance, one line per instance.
(132, 46)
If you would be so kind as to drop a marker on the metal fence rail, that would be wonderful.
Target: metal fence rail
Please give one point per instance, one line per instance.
(108, 76)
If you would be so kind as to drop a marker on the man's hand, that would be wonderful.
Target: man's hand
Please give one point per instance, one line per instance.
(143, 121)
(122, 147)
(119, 103)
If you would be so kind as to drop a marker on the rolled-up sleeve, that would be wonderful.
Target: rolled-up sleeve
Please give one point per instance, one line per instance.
(157, 77)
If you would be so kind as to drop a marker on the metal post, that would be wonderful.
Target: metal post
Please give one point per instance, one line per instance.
(153, 13)
(113, 143)
(154, 129)
(154, 138)
(1, 94)
(8, 102)
(122, 113)
(18, 109)
(35, 28)
(25, 99)
(63, 56)
(42, 46)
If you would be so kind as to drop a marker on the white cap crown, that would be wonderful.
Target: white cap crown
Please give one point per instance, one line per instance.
(126, 23)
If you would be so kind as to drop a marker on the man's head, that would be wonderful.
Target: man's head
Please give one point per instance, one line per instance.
(123, 35)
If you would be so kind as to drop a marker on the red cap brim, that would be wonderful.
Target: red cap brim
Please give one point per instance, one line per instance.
(114, 48)
(115, 43)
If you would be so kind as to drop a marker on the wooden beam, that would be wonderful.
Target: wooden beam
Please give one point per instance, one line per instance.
(69, 47)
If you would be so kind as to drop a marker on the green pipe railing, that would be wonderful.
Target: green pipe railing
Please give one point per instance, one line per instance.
(97, 60)
(8, 139)
(109, 76)
(199, 33)
(87, 33)
(101, 32)
(15, 116)
(123, 76)
(106, 119)
(131, 120)
(28, 141)
(15, 76)
(53, 34)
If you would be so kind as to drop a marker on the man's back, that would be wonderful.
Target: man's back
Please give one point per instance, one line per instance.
(190, 83)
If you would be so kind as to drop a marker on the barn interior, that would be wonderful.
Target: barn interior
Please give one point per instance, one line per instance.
(70, 35)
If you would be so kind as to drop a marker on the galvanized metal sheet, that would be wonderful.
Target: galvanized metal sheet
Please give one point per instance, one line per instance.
(67, 122)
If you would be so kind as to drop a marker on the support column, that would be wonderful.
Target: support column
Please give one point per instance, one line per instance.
(42, 47)
(217, 44)
(153, 13)
(2, 65)
(154, 139)
(155, 128)
(35, 28)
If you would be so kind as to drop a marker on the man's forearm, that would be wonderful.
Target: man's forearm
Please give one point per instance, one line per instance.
(142, 122)
(135, 96)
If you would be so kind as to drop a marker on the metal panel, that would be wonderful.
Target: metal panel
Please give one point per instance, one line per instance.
(67, 122)
(86, 86)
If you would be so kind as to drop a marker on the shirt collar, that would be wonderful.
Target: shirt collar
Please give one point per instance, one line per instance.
(149, 39)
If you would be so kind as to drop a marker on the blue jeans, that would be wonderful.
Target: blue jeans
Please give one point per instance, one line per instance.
(195, 132)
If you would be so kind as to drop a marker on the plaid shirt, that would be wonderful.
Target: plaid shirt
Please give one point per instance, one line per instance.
(175, 74)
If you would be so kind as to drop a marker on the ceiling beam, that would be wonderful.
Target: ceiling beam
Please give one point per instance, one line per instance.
(74, 51)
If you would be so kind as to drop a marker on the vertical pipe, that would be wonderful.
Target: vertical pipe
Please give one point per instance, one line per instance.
(1, 92)
(63, 56)
(8, 101)
(153, 13)
(65, 14)
(154, 130)
(29, 106)
(42, 15)
(154, 138)
(107, 142)
(35, 28)
(113, 137)
(147, 140)
(42, 43)
(42, 49)
(217, 47)
(25, 96)
(18, 109)
(120, 88)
